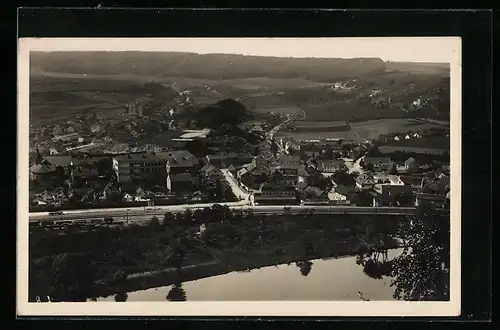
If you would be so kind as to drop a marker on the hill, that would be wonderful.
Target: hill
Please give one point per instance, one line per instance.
(208, 66)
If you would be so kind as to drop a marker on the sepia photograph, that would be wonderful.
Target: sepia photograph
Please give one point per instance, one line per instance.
(239, 176)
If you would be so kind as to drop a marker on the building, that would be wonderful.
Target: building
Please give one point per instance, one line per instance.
(379, 164)
(224, 160)
(59, 161)
(314, 196)
(342, 195)
(331, 166)
(394, 195)
(180, 161)
(42, 173)
(181, 183)
(139, 167)
(435, 200)
(275, 194)
(212, 173)
(416, 183)
(410, 166)
(289, 169)
(285, 159)
(387, 179)
(365, 181)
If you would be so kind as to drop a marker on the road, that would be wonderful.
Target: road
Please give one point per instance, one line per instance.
(236, 188)
(145, 214)
(353, 166)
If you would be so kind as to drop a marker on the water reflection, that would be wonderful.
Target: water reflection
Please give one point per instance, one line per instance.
(333, 279)
(304, 266)
(376, 264)
(176, 293)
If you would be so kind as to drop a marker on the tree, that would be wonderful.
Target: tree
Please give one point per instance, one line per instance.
(198, 148)
(168, 219)
(104, 167)
(188, 216)
(73, 277)
(421, 272)
(154, 224)
(305, 267)
(176, 293)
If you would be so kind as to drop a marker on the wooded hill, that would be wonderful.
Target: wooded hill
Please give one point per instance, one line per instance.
(209, 66)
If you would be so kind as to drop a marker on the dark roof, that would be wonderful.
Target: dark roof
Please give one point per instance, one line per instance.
(410, 161)
(377, 160)
(277, 187)
(343, 190)
(222, 156)
(290, 166)
(301, 185)
(209, 168)
(436, 197)
(86, 172)
(412, 180)
(315, 190)
(179, 158)
(41, 169)
(58, 160)
(138, 157)
(183, 177)
(288, 158)
(363, 178)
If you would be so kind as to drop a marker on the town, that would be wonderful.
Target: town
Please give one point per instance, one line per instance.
(273, 171)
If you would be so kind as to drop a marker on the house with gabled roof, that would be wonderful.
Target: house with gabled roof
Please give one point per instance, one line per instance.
(331, 166)
(212, 173)
(365, 181)
(270, 193)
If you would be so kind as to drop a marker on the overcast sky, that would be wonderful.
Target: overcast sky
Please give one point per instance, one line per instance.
(421, 49)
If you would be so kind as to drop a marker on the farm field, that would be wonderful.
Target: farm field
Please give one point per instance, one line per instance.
(246, 84)
(278, 110)
(437, 142)
(417, 150)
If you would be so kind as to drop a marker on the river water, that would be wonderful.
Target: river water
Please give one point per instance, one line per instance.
(331, 279)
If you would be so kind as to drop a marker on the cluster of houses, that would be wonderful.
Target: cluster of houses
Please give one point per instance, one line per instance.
(406, 184)
(55, 180)
(288, 179)
(299, 172)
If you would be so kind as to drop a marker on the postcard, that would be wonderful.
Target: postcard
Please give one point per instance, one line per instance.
(239, 176)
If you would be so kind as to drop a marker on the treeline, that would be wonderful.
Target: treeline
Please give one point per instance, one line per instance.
(208, 66)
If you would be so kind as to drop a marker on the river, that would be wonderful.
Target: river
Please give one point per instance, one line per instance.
(331, 279)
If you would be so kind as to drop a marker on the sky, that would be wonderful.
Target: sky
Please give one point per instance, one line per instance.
(409, 49)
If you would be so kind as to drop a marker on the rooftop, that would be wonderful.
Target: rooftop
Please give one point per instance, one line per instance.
(58, 160)
(41, 169)
(151, 157)
(179, 157)
(277, 187)
(343, 190)
(377, 160)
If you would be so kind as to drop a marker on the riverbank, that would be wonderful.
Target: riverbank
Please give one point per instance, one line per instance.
(68, 265)
(170, 276)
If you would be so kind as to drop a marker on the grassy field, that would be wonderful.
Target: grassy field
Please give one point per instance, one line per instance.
(364, 130)
(121, 80)
(436, 142)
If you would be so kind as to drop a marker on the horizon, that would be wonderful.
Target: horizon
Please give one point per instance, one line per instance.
(235, 54)
(388, 49)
